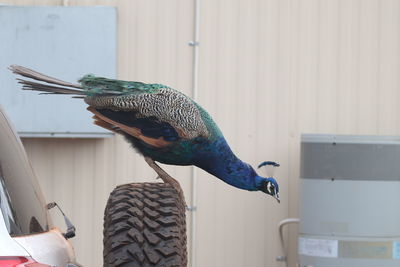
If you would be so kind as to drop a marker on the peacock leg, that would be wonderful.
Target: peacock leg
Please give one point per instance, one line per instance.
(165, 177)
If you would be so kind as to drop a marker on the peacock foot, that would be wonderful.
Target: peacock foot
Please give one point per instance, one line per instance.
(166, 177)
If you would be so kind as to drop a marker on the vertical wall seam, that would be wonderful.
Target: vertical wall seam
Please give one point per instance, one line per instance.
(195, 73)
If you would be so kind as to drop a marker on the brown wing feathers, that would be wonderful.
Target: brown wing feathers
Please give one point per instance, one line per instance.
(118, 127)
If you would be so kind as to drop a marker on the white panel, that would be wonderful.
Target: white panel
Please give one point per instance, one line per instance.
(65, 43)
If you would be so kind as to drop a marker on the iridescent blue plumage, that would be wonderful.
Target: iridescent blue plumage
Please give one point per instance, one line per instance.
(213, 155)
(163, 124)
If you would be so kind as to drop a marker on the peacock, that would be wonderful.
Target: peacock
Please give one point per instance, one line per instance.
(161, 123)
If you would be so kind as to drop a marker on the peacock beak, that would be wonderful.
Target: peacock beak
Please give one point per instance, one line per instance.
(276, 196)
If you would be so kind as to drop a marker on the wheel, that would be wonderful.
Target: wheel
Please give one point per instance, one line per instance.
(144, 225)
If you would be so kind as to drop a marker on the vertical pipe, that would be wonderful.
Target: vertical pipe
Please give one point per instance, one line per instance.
(195, 74)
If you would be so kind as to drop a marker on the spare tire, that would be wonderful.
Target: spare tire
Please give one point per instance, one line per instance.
(145, 225)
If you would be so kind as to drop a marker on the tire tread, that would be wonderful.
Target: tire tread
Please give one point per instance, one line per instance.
(145, 225)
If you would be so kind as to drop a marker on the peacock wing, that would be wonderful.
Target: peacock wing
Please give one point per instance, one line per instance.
(166, 114)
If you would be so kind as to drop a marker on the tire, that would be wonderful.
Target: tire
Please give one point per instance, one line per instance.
(145, 225)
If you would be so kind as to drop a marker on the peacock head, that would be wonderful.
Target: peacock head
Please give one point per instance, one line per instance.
(269, 185)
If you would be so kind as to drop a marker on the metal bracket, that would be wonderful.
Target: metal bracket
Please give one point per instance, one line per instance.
(281, 258)
(191, 208)
(194, 43)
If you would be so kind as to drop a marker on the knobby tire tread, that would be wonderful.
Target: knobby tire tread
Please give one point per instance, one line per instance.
(145, 225)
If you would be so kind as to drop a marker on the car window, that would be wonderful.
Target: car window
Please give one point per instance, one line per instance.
(20, 197)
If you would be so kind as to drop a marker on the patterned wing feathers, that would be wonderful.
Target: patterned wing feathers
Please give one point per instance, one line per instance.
(167, 105)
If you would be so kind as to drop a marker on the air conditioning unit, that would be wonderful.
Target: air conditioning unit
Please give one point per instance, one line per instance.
(349, 201)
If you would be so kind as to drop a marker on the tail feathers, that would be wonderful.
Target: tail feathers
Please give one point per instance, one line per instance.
(39, 76)
(48, 88)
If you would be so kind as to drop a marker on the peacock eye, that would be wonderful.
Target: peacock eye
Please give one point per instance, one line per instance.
(270, 187)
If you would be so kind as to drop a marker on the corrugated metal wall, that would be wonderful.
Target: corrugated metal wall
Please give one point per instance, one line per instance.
(269, 71)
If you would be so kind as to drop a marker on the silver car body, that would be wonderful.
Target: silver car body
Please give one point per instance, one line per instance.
(43, 242)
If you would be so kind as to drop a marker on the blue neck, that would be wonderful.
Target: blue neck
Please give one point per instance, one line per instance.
(218, 159)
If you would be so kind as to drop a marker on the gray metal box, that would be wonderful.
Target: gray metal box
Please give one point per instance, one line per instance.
(350, 195)
(64, 42)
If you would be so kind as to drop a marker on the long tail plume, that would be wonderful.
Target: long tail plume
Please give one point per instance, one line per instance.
(50, 88)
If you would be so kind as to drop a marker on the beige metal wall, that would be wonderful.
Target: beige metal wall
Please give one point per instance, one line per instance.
(269, 71)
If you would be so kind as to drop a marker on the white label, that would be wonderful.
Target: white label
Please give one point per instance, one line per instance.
(396, 250)
(318, 247)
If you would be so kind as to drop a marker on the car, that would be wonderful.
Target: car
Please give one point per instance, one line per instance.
(27, 234)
